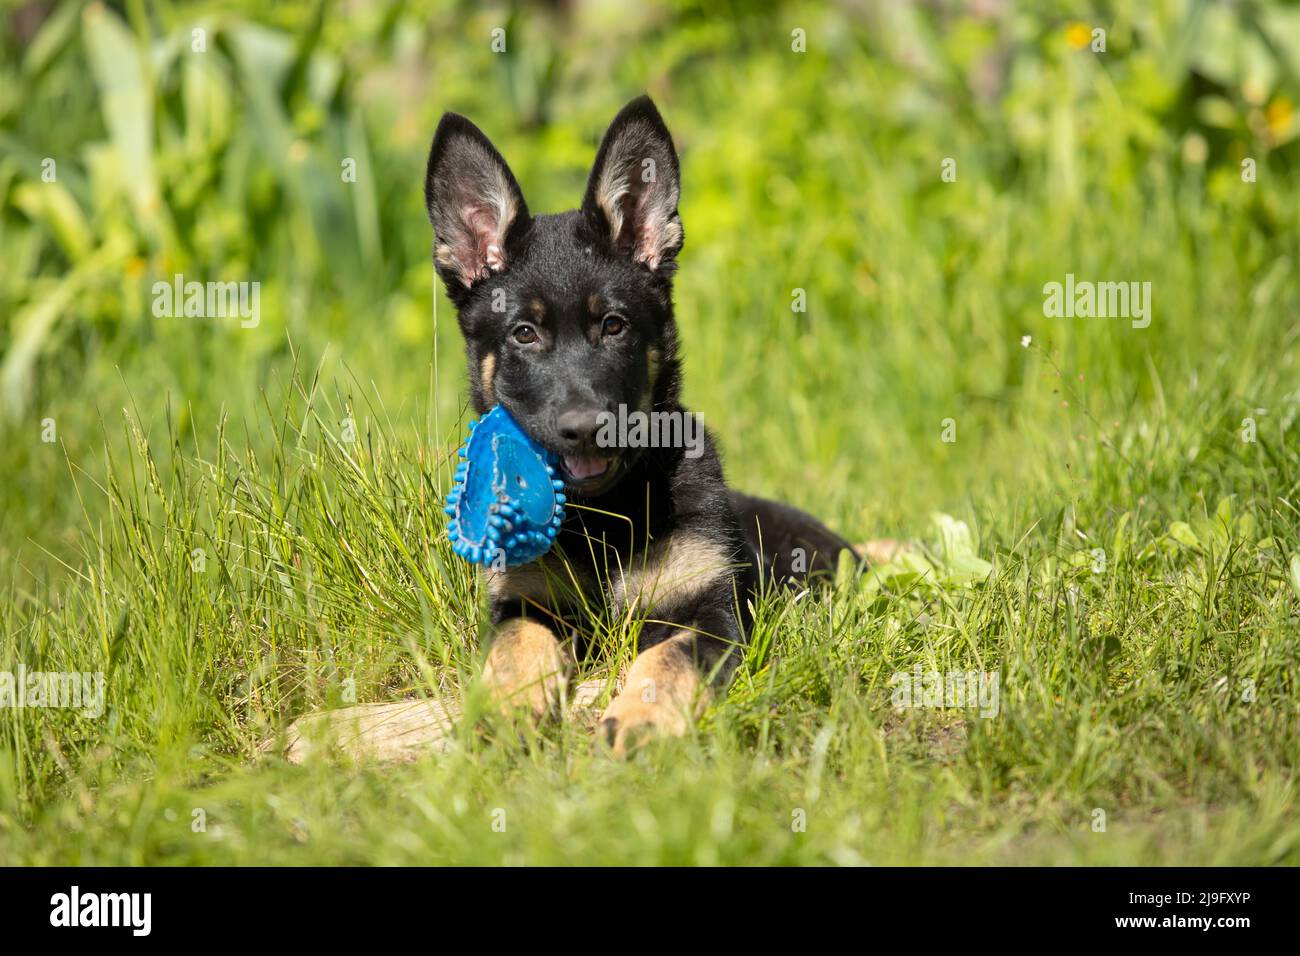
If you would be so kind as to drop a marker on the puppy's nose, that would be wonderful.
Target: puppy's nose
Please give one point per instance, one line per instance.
(578, 426)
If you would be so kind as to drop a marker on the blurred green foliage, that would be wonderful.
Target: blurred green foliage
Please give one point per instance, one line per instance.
(224, 162)
(208, 140)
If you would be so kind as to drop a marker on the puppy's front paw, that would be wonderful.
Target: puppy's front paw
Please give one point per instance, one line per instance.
(526, 670)
(631, 721)
(661, 696)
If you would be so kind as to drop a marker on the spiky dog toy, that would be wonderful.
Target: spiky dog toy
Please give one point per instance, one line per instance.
(506, 502)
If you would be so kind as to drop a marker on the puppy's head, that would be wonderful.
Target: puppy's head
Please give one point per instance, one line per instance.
(566, 317)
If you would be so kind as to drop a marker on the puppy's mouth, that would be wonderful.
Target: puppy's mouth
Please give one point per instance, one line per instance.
(584, 469)
(589, 474)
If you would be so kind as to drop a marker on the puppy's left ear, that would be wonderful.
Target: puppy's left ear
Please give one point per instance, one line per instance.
(634, 186)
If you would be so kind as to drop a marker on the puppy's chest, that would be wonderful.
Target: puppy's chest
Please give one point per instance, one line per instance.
(670, 573)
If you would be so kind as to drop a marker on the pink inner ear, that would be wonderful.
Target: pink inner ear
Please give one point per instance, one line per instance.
(631, 207)
(484, 251)
(641, 234)
(646, 236)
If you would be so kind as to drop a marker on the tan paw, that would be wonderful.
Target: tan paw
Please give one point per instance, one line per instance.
(526, 670)
(662, 693)
(882, 550)
(629, 722)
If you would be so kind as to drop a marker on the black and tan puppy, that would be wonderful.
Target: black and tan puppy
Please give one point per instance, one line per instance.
(568, 322)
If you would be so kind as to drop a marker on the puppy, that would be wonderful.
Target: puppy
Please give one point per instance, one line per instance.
(568, 323)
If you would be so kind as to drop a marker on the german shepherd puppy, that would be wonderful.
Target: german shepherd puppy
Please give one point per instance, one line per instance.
(567, 320)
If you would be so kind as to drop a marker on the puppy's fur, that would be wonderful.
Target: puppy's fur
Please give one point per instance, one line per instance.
(568, 316)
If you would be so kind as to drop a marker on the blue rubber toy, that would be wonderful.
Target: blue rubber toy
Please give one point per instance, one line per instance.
(506, 501)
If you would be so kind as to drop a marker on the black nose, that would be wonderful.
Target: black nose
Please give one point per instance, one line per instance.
(578, 426)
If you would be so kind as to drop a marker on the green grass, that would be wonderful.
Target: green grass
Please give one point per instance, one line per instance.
(1159, 687)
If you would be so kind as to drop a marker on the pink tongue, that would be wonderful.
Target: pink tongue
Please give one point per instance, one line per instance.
(581, 468)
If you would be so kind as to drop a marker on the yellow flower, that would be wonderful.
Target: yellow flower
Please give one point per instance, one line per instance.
(1078, 35)
(1278, 115)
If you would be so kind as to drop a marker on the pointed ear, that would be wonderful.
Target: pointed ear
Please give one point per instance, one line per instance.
(475, 205)
(632, 193)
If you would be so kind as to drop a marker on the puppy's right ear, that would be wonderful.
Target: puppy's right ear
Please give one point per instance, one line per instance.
(475, 205)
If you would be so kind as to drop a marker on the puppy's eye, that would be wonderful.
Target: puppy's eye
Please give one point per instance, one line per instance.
(524, 334)
(613, 324)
